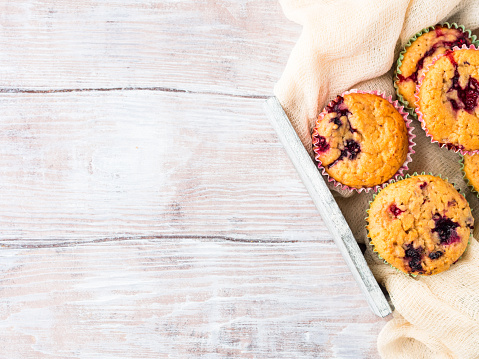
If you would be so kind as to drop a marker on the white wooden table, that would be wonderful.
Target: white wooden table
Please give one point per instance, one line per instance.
(147, 207)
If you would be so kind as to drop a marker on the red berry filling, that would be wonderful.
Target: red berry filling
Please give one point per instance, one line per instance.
(438, 31)
(395, 210)
(351, 150)
(436, 254)
(322, 144)
(451, 146)
(340, 108)
(461, 40)
(336, 121)
(414, 257)
(445, 229)
(468, 95)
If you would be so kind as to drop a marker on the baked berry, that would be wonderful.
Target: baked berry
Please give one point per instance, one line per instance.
(468, 95)
(322, 145)
(445, 229)
(414, 257)
(461, 40)
(350, 151)
(436, 254)
(340, 152)
(336, 121)
(339, 107)
(395, 210)
(415, 241)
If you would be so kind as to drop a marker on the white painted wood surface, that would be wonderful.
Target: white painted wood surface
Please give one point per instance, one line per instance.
(147, 207)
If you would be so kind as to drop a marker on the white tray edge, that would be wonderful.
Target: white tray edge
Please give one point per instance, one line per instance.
(327, 207)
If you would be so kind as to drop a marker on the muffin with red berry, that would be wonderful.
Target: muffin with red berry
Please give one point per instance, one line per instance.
(361, 140)
(419, 53)
(447, 100)
(420, 225)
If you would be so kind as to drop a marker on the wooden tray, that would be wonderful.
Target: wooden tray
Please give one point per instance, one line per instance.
(327, 207)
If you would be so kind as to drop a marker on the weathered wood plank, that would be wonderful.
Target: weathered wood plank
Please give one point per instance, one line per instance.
(221, 46)
(183, 298)
(158, 223)
(139, 163)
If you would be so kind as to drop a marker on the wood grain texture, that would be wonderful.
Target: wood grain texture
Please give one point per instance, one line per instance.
(147, 208)
(125, 164)
(228, 46)
(182, 298)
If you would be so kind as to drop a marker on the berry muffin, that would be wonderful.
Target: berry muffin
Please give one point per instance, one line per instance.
(420, 53)
(420, 225)
(447, 100)
(361, 140)
(471, 170)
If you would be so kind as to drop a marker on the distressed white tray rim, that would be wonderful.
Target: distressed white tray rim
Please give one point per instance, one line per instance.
(327, 207)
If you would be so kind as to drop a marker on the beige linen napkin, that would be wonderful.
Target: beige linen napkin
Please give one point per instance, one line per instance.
(354, 44)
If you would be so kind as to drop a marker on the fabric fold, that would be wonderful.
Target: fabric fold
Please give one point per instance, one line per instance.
(354, 44)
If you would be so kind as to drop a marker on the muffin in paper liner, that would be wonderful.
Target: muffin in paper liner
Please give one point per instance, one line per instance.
(344, 188)
(420, 114)
(449, 233)
(469, 181)
(398, 73)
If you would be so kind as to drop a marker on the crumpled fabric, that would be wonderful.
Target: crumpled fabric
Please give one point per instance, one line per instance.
(355, 44)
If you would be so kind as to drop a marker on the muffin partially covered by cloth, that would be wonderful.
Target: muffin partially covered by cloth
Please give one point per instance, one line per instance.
(361, 140)
(420, 225)
(447, 100)
(420, 52)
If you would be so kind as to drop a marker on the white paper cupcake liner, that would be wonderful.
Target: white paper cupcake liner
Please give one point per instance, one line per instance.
(419, 113)
(400, 171)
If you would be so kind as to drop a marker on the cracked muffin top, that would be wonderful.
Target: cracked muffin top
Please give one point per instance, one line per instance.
(448, 100)
(420, 225)
(421, 52)
(361, 140)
